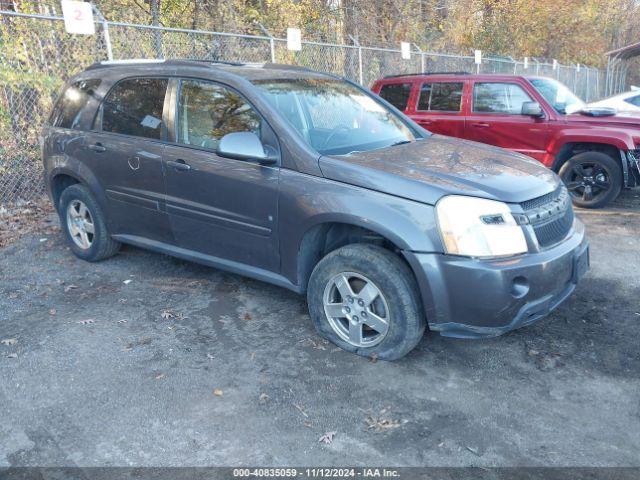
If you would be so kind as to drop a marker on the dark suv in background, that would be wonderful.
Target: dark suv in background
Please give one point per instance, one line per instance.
(307, 181)
(594, 150)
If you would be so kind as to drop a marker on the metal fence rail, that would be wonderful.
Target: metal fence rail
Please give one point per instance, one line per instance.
(37, 55)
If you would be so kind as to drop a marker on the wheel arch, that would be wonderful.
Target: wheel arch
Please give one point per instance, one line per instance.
(324, 237)
(61, 178)
(571, 149)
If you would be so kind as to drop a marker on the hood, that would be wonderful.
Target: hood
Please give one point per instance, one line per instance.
(620, 119)
(428, 169)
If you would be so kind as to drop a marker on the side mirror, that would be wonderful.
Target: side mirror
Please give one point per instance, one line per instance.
(245, 146)
(532, 109)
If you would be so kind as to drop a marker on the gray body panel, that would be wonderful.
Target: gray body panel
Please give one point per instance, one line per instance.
(256, 219)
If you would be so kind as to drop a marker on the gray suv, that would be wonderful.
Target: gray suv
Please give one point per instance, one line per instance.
(312, 183)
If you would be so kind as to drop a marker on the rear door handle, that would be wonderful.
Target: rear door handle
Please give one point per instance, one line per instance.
(179, 165)
(98, 147)
(425, 122)
(480, 125)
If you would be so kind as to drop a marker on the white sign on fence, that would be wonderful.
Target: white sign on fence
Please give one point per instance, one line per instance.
(405, 50)
(478, 56)
(555, 64)
(78, 17)
(526, 62)
(294, 39)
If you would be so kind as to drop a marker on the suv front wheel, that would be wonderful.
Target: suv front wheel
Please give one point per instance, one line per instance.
(592, 178)
(84, 225)
(364, 299)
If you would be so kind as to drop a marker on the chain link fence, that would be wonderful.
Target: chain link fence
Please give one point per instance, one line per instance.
(37, 55)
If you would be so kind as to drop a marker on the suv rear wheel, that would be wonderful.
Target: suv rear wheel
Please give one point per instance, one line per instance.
(365, 299)
(592, 178)
(84, 225)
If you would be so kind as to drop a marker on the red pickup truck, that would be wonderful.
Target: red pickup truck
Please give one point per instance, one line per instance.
(595, 151)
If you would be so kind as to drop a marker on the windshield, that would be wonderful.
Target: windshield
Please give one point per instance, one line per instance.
(560, 97)
(334, 117)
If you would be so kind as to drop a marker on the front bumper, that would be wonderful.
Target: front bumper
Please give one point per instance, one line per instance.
(471, 298)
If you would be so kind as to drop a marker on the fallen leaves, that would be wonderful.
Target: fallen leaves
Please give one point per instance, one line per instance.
(9, 341)
(23, 218)
(160, 376)
(168, 314)
(217, 392)
(52, 311)
(263, 398)
(88, 321)
(68, 288)
(317, 345)
(12, 355)
(327, 438)
(382, 422)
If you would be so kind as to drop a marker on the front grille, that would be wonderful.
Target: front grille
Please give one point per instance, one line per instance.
(540, 201)
(550, 215)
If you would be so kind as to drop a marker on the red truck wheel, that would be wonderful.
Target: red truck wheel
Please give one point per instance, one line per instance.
(593, 179)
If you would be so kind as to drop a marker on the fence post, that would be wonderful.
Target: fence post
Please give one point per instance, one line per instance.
(587, 93)
(360, 70)
(105, 31)
(421, 58)
(272, 43)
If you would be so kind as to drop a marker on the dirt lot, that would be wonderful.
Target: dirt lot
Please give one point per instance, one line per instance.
(148, 360)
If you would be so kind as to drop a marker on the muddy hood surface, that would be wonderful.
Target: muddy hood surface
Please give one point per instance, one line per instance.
(427, 169)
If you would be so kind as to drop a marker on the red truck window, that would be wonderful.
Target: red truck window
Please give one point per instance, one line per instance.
(397, 94)
(441, 97)
(499, 98)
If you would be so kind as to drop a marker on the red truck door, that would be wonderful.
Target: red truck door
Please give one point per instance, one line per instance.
(437, 106)
(495, 117)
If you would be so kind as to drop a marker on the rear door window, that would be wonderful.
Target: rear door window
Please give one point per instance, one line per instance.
(134, 107)
(441, 97)
(67, 112)
(499, 98)
(397, 94)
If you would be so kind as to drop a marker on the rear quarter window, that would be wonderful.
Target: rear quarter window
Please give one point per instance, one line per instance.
(69, 106)
(397, 94)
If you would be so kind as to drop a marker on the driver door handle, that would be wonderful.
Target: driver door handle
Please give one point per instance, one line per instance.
(97, 147)
(179, 165)
(480, 125)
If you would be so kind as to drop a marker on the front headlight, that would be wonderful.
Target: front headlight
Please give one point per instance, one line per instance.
(477, 227)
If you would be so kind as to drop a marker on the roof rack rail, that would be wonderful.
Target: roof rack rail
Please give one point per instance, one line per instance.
(426, 73)
(207, 60)
(126, 61)
(134, 61)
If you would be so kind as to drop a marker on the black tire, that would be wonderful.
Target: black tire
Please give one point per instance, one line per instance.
(593, 179)
(102, 245)
(398, 288)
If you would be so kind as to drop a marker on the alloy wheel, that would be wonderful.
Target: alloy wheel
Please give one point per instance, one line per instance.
(588, 181)
(80, 224)
(356, 309)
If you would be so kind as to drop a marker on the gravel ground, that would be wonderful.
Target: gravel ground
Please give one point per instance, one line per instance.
(145, 360)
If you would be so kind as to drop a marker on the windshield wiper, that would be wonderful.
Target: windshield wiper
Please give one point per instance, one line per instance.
(401, 142)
